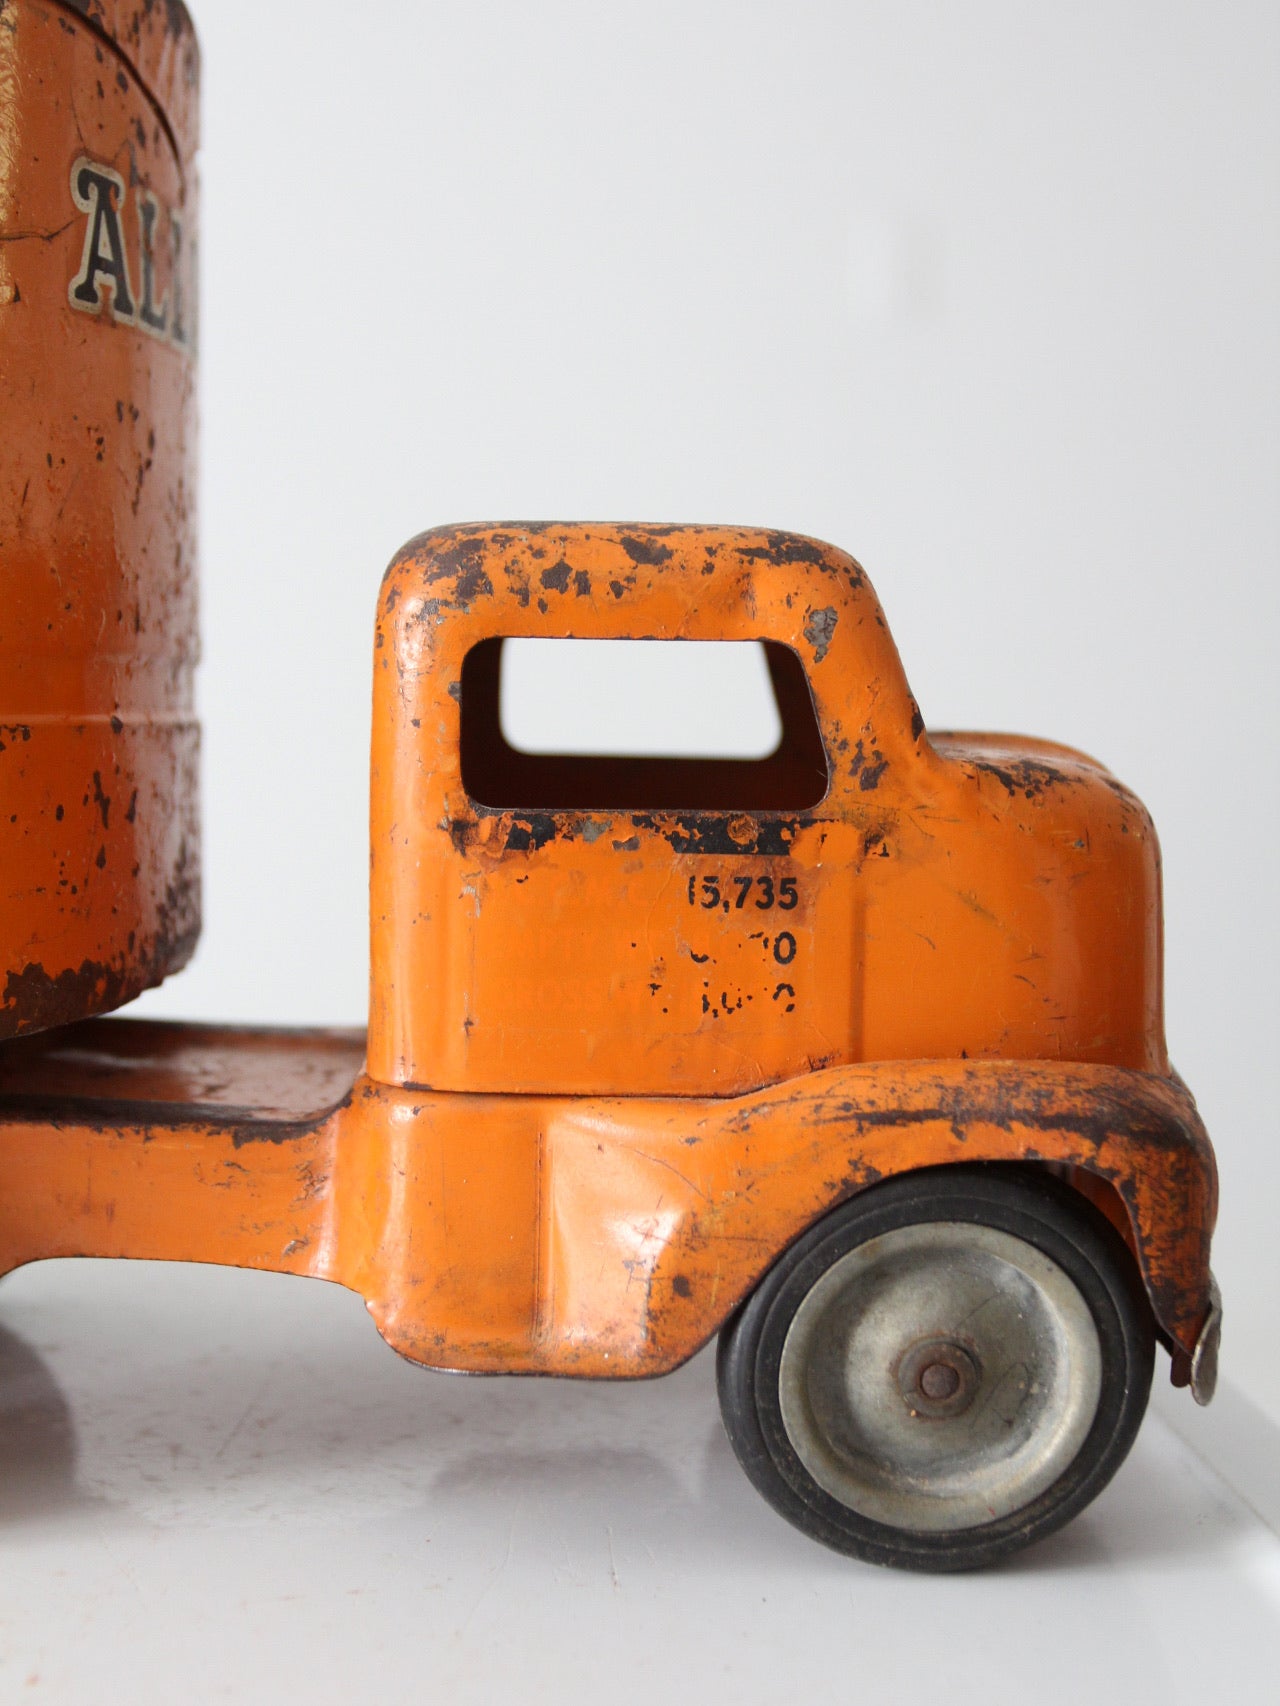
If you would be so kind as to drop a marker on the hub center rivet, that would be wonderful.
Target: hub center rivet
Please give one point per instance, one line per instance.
(939, 1380)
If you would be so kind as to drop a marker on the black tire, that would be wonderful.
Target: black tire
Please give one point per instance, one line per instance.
(927, 1218)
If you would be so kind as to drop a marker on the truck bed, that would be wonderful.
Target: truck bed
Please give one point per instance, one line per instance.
(148, 1072)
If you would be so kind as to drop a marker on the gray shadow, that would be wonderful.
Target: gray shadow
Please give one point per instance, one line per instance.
(635, 1492)
(1139, 1519)
(637, 1496)
(37, 1437)
(647, 1460)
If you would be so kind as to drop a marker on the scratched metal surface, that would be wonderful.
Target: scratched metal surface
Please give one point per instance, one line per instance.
(641, 968)
(100, 857)
(217, 1485)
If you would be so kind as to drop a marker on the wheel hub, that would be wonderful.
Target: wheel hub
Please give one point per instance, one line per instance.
(938, 1377)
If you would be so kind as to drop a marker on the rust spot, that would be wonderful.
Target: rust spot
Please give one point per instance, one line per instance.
(462, 832)
(464, 562)
(868, 770)
(33, 1000)
(819, 630)
(873, 842)
(782, 549)
(1030, 777)
(101, 800)
(529, 831)
(556, 578)
(650, 553)
(12, 732)
(693, 833)
(36, 998)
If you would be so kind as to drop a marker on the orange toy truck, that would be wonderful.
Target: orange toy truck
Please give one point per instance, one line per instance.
(852, 1054)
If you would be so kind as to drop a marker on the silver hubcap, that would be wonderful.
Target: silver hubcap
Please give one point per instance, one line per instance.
(940, 1376)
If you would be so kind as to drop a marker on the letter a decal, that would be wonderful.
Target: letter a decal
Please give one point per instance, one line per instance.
(100, 193)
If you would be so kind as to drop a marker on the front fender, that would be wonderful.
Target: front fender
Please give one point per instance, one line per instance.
(659, 1217)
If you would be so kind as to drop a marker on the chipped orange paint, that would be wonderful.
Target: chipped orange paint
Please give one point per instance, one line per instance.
(957, 894)
(542, 1163)
(99, 831)
(604, 1236)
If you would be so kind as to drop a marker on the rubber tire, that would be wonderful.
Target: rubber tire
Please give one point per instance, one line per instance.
(1029, 1204)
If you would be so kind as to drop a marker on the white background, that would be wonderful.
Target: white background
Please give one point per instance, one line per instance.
(984, 293)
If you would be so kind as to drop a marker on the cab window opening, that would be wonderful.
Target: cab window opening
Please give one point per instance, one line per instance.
(740, 736)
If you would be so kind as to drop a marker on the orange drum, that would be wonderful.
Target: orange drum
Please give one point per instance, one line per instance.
(99, 830)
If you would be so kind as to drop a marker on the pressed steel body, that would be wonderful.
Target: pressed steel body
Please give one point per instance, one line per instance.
(955, 895)
(635, 1024)
(585, 1126)
(99, 835)
(599, 1235)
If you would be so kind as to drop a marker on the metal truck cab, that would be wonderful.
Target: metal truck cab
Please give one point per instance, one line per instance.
(659, 927)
